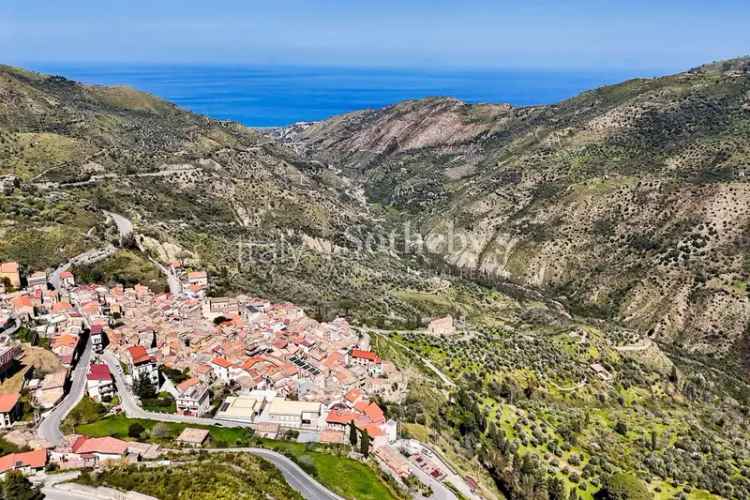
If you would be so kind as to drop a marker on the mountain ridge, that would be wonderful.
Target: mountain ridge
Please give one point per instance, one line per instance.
(516, 171)
(532, 188)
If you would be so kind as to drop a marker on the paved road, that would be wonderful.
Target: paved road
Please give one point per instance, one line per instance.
(123, 225)
(298, 479)
(295, 476)
(175, 287)
(133, 410)
(439, 491)
(451, 476)
(88, 257)
(49, 427)
(54, 487)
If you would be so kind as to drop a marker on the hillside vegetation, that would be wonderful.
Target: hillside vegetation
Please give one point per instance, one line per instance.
(628, 202)
(597, 251)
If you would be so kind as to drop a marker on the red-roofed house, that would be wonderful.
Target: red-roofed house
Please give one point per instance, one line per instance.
(23, 306)
(375, 414)
(67, 278)
(221, 367)
(333, 360)
(193, 398)
(99, 382)
(10, 410)
(203, 372)
(61, 307)
(339, 420)
(26, 463)
(368, 359)
(103, 448)
(361, 406)
(354, 395)
(142, 364)
(199, 278)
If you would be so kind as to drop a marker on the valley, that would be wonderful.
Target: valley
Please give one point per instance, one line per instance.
(594, 254)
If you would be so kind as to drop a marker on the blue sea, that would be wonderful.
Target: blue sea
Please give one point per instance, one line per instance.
(269, 96)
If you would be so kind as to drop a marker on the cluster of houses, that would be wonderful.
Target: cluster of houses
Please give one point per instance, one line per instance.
(283, 370)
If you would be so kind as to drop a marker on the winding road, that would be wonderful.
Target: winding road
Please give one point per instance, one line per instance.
(133, 410)
(294, 475)
(125, 227)
(49, 427)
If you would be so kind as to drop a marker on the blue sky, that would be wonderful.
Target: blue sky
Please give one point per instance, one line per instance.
(655, 34)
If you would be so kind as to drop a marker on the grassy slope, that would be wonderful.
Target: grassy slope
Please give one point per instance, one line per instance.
(222, 477)
(345, 476)
(127, 267)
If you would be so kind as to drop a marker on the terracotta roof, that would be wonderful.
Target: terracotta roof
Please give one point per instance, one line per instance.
(187, 384)
(201, 369)
(280, 343)
(368, 355)
(353, 395)
(65, 340)
(105, 445)
(34, 459)
(22, 301)
(223, 362)
(375, 413)
(99, 372)
(8, 401)
(361, 406)
(66, 274)
(138, 354)
(61, 307)
(333, 359)
(374, 430)
(340, 417)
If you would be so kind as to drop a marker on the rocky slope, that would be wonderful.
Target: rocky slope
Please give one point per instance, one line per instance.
(630, 202)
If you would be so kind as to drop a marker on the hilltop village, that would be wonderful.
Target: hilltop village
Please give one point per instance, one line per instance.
(240, 361)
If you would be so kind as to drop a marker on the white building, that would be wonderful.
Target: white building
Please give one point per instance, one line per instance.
(193, 398)
(99, 383)
(142, 365)
(294, 414)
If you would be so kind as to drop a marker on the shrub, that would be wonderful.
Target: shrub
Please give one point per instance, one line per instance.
(135, 430)
(621, 428)
(623, 486)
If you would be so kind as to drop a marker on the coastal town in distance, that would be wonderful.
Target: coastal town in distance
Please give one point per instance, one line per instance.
(185, 357)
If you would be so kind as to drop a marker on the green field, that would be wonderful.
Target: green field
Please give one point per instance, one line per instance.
(118, 425)
(346, 477)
